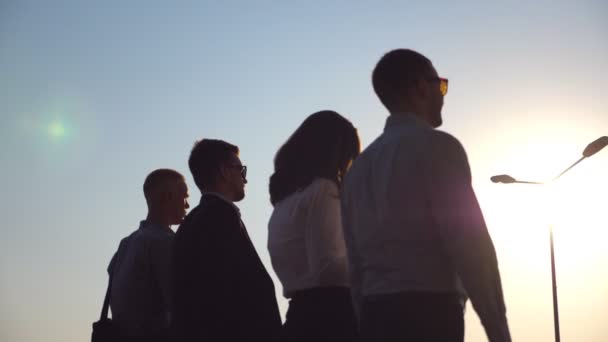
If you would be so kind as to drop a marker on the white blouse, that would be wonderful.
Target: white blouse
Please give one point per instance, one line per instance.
(305, 239)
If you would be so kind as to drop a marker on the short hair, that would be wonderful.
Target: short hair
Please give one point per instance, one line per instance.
(206, 158)
(158, 178)
(322, 147)
(396, 72)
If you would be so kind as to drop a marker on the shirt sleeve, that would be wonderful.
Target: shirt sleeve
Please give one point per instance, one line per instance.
(324, 238)
(464, 233)
(112, 264)
(118, 255)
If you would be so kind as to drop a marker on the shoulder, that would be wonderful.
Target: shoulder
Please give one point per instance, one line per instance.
(213, 211)
(323, 194)
(124, 246)
(120, 251)
(447, 156)
(123, 243)
(215, 208)
(129, 241)
(188, 227)
(323, 187)
(443, 148)
(214, 202)
(319, 187)
(441, 140)
(153, 240)
(210, 207)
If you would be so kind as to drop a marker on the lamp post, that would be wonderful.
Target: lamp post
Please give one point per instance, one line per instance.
(591, 149)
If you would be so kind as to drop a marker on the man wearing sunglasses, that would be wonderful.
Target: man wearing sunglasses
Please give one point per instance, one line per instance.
(222, 291)
(416, 239)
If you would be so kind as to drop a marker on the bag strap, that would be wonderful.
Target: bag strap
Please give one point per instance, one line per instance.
(119, 255)
(106, 301)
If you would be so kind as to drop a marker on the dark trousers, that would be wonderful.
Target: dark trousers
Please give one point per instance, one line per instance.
(412, 316)
(320, 315)
(151, 338)
(146, 339)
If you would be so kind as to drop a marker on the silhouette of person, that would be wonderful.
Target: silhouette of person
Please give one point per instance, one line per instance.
(222, 291)
(416, 238)
(141, 267)
(305, 241)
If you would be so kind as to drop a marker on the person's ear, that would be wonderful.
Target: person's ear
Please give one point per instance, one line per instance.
(169, 195)
(163, 196)
(222, 172)
(422, 87)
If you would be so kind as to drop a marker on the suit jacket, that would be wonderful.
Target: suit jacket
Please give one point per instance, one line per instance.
(222, 291)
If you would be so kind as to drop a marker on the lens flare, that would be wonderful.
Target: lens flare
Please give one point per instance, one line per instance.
(56, 130)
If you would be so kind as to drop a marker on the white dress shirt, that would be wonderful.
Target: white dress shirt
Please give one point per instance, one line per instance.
(412, 222)
(305, 239)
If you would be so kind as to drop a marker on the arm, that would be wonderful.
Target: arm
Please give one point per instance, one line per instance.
(112, 264)
(464, 234)
(354, 259)
(324, 237)
(117, 255)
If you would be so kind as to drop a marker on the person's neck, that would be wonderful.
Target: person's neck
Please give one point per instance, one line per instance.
(412, 108)
(220, 190)
(154, 217)
(416, 111)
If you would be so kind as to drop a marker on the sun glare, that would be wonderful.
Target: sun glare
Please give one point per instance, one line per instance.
(573, 206)
(576, 210)
(56, 130)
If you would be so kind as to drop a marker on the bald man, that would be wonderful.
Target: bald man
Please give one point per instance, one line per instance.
(141, 292)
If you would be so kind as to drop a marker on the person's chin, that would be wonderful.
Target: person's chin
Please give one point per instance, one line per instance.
(240, 196)
(437, 122)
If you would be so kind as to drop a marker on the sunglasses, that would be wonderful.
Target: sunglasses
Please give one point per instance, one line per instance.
(443, 84)
(242, 169)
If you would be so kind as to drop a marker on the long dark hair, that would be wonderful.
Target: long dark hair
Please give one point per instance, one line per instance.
(323, 146)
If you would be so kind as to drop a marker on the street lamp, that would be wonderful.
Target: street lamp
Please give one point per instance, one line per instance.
(590, 150)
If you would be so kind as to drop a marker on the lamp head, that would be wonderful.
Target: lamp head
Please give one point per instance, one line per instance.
(502, 179)
(595, 146)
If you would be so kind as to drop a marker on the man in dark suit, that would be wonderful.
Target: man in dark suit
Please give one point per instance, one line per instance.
(222, 291)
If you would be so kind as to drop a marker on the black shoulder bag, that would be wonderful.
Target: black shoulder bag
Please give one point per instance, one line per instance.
(105, 330)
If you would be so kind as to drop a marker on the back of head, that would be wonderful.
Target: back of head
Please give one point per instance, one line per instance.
(396, 72)
(321, 147)
(159, 181)
(206, 158)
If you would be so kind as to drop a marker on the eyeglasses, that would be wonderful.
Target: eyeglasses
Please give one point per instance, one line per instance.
(242, 169)
(443, 84)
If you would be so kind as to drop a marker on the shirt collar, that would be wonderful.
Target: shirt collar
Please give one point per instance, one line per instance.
(402, 119)
(223, 198)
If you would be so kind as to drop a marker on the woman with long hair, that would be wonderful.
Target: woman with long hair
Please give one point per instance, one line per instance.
(305, 239)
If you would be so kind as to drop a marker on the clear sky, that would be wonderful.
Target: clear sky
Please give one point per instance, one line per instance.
(94, 95)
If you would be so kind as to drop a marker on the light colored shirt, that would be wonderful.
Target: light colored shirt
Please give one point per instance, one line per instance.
(305, 239)
(142, 275)
(412, 222)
